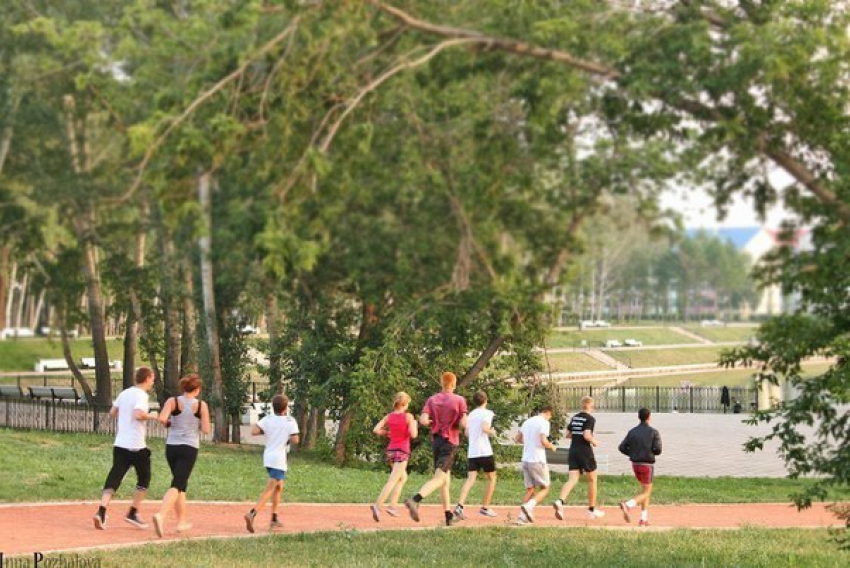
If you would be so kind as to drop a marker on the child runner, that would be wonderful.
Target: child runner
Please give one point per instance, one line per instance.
(479, 428)
(400, 427)
(534, 437)
(130, 449)
(581, 459)
(185, 416)
(279, 430)
(642, 444)
(445, 414)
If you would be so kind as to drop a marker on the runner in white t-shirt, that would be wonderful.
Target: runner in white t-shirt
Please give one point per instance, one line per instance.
(280, 430)
(130, 449)
(479, 428)
(534, 437)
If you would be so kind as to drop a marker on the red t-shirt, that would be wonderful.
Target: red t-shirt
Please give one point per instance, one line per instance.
(446, 409)
(399, 431)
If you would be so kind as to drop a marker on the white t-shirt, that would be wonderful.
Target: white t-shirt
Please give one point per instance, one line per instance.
(131, 432)
(278, 430)
(532, 448)
(479, 441)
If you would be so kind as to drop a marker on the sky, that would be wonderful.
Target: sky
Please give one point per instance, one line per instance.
(698, 210)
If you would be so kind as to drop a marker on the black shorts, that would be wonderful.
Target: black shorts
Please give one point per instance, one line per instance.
(444, 453)
(181, 459)
(122, 460)
(487, 464)
(582, 460)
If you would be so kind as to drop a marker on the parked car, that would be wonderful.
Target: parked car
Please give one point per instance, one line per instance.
(53, 332)
(633, 343)
(601, 323)
(613, 343)
(10, 332)
(711, 323)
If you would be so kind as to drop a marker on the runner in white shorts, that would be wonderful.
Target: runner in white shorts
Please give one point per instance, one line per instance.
(534, 437)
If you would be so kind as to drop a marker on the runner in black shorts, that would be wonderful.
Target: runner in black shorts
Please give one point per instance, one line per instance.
(581, 459)
(479, 428)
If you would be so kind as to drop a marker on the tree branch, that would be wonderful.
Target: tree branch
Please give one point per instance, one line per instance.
(501, 44)
(204, 97)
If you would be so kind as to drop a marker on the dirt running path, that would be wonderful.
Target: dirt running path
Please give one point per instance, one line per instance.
(55, 527)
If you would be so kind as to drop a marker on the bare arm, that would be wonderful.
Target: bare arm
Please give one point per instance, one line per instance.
(295, 439)
(379, 427)
(463, 421)
(166, 412)
(544, 440)
(113, 412)
(412, 427)
(257, 431)
(425, 420)
(142, 416)
(205, 418)
(519, 439)
(588, 435)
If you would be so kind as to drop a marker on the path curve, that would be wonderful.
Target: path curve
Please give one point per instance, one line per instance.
(67, 526)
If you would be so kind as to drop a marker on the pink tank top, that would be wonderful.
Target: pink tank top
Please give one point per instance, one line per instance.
(399, 432)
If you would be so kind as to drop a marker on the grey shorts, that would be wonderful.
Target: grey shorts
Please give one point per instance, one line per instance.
(535, 474)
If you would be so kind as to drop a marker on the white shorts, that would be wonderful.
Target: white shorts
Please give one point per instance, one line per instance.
(535, 474)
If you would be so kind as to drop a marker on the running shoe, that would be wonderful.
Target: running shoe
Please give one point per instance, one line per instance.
(157, 525)
(184, 527)
(275, 525)
(392, 511)
(99, 522)
(133, 519)
(413, 509)
(451, 520)
(521, 520)
(459, 513)
(597, 514)
(559, 510)
(487, 512)
(376, 514)
(528, 512)
(249, 520)
(643, 523)
(625, 509)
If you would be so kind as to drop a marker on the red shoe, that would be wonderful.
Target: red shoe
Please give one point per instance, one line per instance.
(643, 523)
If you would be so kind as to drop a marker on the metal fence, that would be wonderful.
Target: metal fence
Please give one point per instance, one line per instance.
(659, 399)
(57, 416)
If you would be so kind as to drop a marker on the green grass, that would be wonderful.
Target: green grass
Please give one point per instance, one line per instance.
(574, 363)
(21, 354)
(598, 337)
(498, 547)
(724, 333)
(667, 357)
(726, 377)
(73, 466)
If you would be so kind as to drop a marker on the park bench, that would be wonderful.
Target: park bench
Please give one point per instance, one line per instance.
(11, 391)
(66, 394)
(38, 393)
(43, 365)
(89, 363)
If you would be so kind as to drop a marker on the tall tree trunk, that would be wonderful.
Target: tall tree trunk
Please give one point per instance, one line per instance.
(10, 294)
(317, 416)
(210, 319)
(19, 311)
(69, 358)
(171, 366)
(370, 316)
(188, 350)
(94, 296)
(134, 314)
(274, 343)
(36, 313)
(5, 252)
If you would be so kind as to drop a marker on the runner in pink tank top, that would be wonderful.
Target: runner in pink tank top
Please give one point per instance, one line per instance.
(399, 426)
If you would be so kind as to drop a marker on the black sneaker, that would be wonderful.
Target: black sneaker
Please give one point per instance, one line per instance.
(133, 519)
(249, 520)
(99, 521)
(413, 509)
(451, 520)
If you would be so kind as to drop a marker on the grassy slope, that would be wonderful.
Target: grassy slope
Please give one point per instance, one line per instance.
(21, 354)
(667, 357)
(724, 333)
(727, 377)
(500, 547)
(73, 466)
(573, 363)
(597, 338)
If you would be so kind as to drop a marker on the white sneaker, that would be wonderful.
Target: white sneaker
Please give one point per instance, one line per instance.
(597, 514)
(528, 512)
(487, 512)
(559, 510)
(459, 513)
(521, 520)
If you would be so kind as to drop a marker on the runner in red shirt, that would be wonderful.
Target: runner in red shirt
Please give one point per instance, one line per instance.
(445, 413)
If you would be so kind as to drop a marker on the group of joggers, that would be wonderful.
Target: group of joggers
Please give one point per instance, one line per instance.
(445, 414)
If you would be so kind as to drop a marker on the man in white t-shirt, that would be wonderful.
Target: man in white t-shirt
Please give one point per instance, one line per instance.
(130, 448)
(479, 428)
(280, 430)
(534, 437)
